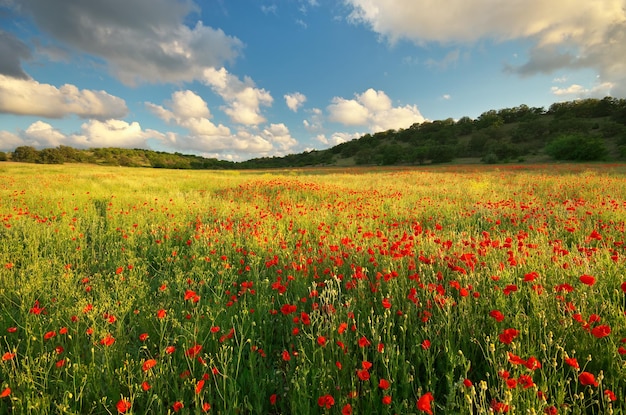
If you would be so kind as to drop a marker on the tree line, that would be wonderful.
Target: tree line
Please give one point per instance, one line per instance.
(580, 130)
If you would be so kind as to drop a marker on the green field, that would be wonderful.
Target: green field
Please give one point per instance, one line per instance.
(437, 290)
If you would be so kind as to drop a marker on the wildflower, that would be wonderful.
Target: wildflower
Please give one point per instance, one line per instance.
(123, 405)
(497, 315)
(551, 410)
(193, 351)
(601, 331)
(177, 406)
(8, 356)
(321, 340)
(346, 410)
(148, 364)
(499, 407)
(363, 342)
(143, 337)
(170, 349)
(386, 303)
(423, 403)
(467, 383)
(199, 386)
(161, 314)
(206, 407)
(425, 344)
(386, 400)
(587, 379)
(363, 374)
(587, 280)
(342, 328)
(6, 392)
(286, 356)
(383, 384)
(610, 395)
(145, 386)
(572, 362)
(273, 399)
(108, 340)
(508, 335)
(326, 401)
(49, 335)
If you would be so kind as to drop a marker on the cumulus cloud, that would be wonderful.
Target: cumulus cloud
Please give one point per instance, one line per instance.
(29, 97)
(337, 138)
(591, 34)
(294, 101)
(315, 123)
(579, 91)
(13, 51)
(373, 109)
(140, 40)
(93, 133)
(243, 98)
(188, 110)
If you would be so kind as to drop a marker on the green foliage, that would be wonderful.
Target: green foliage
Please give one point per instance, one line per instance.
(3, 156)
(576, 147)
(25, 154)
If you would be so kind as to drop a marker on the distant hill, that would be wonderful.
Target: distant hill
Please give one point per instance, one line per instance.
(581, 130)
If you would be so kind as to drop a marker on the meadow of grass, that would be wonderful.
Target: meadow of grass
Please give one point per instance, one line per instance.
(433, 291)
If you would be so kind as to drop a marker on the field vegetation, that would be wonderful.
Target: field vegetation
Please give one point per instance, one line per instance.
(433, 290)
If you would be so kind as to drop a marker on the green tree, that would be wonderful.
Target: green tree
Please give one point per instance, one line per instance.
(576, 147)
(50, 156)
(25, 154)
(3, 156)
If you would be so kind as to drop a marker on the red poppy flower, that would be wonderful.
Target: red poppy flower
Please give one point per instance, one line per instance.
(386, 400)
(286, 356)
(161, 314)
(273, 399)
(423, 403)
(587, 379)
(363, 342)
(587, 280)
(508, 335)
(49, 335)
(532, 363)
(321, 340)
(193, 351)
(326, 401)
(177, 406)
(571, 361)
(123, 405)
(199, 386)
(383, 384)
(623, 287)
(206, 407)
(108, 340)
(363, 374)
(148, 364)
(145, 386)
(601, 331)
(7, 356)
(342, 327)
(346, 410)
(497, 315)
(499, 407)
(467, 383)
(386, 303)
(425, 344)
(5, 393)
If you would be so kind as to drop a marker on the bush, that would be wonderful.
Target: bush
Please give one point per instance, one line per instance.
(576, 147)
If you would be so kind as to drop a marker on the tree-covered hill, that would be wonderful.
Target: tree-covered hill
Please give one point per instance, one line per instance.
(581, 130)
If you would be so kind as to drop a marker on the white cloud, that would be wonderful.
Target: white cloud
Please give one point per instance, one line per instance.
(294, 101)
(278, 134)
(29, 97)
(373, 109)
(591, 34)
(111, 133)
(579, 91)
(446, 97)
(242, 97)
(315, 123)
(188, 110)
(93, 133)
(337, 138)
(140, 40)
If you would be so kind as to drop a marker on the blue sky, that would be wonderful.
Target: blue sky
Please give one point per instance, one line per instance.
(253, 78)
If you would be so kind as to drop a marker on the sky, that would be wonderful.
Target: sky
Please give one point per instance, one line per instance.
(241, 79)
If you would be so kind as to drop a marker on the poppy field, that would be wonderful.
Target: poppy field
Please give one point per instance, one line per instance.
(438, 290)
